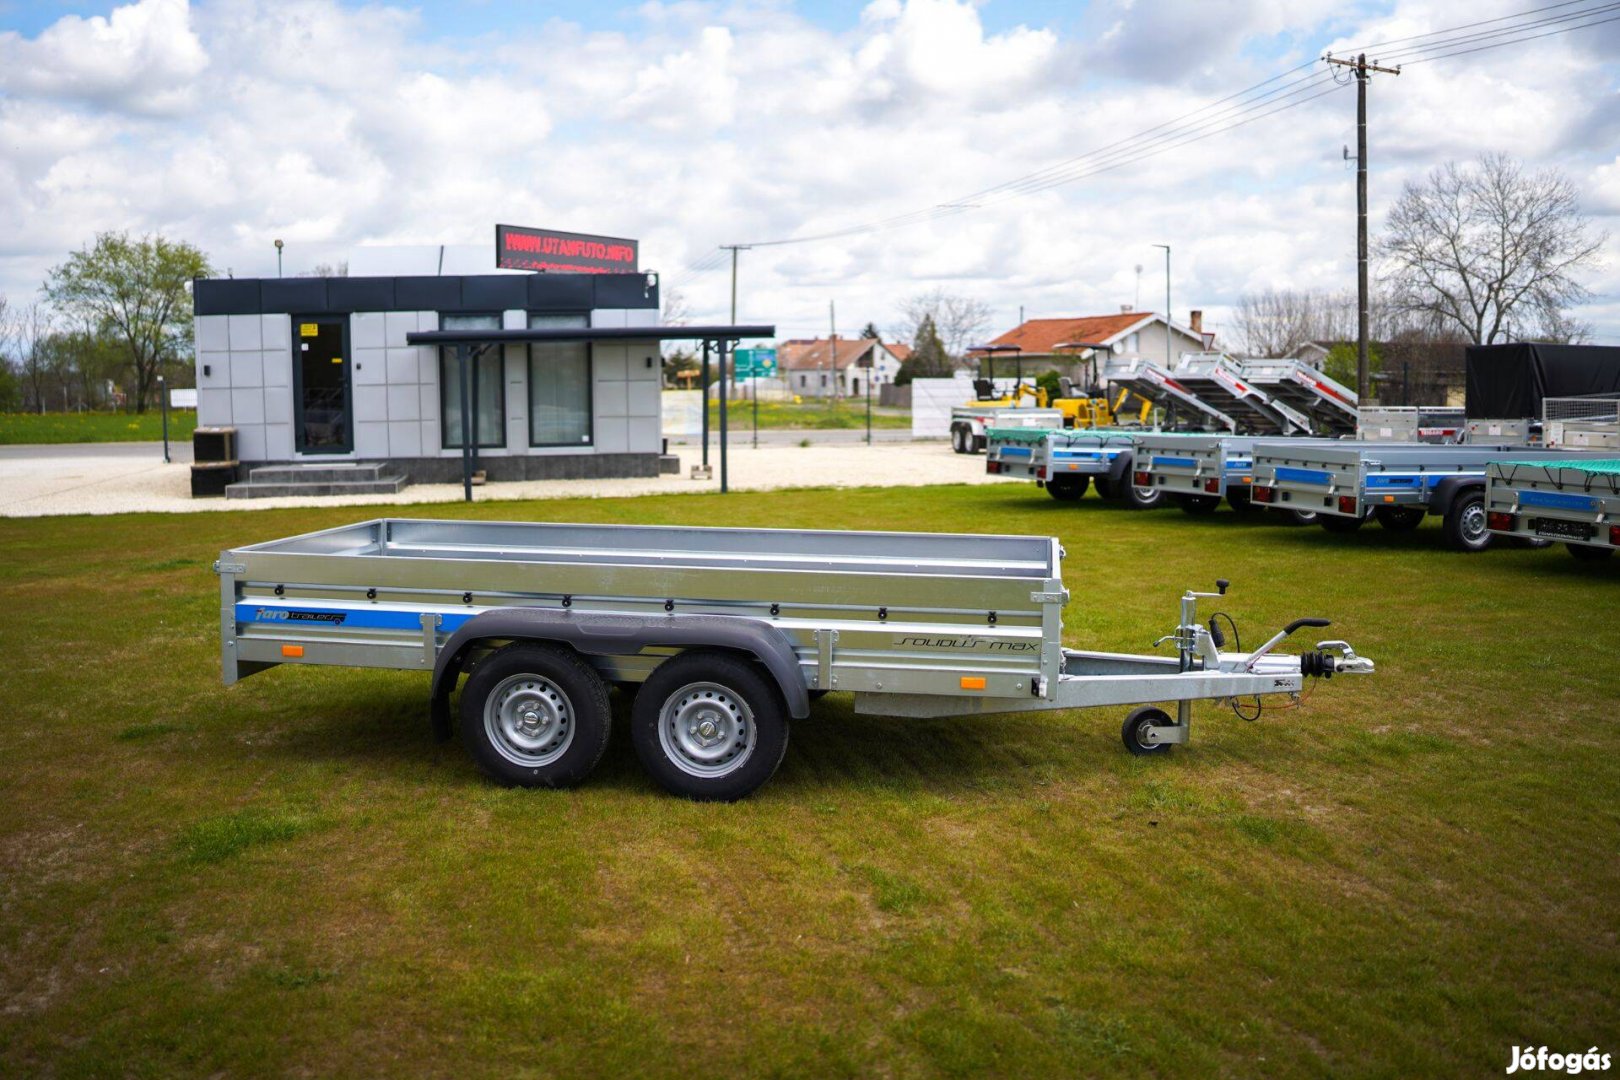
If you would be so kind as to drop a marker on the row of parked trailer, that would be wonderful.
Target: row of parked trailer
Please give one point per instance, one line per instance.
(1479, 489)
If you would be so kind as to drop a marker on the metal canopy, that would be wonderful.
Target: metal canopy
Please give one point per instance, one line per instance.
(588, 333)
(472, 343)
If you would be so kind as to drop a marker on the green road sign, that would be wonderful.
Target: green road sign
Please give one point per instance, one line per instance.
(754, 363)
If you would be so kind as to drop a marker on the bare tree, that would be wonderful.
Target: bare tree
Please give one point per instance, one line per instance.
(959, 320)
(338, 269)
(676, 308)
(30, 335)
(1490, 250)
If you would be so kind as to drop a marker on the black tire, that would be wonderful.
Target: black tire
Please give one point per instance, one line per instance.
(1588, 553)
(535, 716)
(979, 442)
(1301, 517)
(959, 440)
(1067, 488)
(1399, 518)
(749, 718)
(1333, 523)
(1238, 499)
(1465, 524)
(1137, 498)
(1131, 731)
(1104, 488)
(1198, 505)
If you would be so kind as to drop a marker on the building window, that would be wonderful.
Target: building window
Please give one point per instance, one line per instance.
(559, 385)
(488, 377)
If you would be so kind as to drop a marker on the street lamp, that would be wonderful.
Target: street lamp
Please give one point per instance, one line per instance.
(1167, 364)
(278, 258)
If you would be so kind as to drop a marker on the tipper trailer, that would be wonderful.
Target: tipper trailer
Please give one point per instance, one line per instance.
(1196, 471)
(1398, 483)
(1214, 378)
(1573, 501)
(723, 635)
(1330, 405)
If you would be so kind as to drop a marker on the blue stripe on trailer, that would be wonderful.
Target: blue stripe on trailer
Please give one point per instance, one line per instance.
(363, 618)
(1557, 500)
(1185, 462)
(1379, 481)
(1304, 476)
(1086, 455)
(1014, 451)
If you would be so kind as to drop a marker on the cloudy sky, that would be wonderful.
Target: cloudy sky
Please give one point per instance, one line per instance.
(343, 127)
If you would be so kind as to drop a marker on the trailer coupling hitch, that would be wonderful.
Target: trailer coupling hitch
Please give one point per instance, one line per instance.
(1346, 663)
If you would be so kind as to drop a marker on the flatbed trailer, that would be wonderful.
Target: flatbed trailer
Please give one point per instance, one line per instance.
(1011, 451)
(970, 424)
(1214, 378)
(1179, 405)
(1442, 424)
(1103, 458)
(1329, 404)
(1197, 471)
(1398, 483)
(723, 635)
(1576, 502)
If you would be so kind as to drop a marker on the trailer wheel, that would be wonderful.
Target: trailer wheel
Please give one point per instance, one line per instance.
(1466, 524)
(1067, 488)
(1104, 488)
(1399, 518)
(535, 716)
(1238, 499)
(959, 439)
(1198, 505)
(1141, 498)
(1136, 721)
(979, 442)
(1301, 517)
(1335, 523)
(709, 726)
(1589, 553)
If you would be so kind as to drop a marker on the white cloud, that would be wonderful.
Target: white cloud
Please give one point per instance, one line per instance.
(690, 124)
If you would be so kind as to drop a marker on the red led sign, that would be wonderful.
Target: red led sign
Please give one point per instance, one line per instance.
(518, 248)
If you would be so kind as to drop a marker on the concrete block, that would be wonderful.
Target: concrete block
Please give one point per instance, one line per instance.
(612, 435)
(403, 367)
(370, 403)
(370, 367)
(404, 403)
(398, 324)
(278, 442)
(278, 405)
(213, 406)
(247, 406)
(366, 330)
(405, 438)
(247, 368)
(213, 333)
(276, 331)
(218, 373)
(247, 332)
(371, 440)
(250, 443)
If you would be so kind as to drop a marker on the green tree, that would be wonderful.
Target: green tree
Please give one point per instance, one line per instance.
(928, 359)
(134, 290)
(1340, 363)
(871, 332)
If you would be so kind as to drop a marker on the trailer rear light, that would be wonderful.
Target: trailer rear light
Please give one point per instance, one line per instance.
(1040, 473)
(1347, 505)
(292, 650)
(1614, 535)
(992, 467)
(1261, 493)
(1143, 479)
(1213, 486)
(973, 682)
(1499, 520)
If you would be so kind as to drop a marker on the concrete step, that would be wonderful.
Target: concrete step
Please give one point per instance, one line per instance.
(256, 489)
(335, 472)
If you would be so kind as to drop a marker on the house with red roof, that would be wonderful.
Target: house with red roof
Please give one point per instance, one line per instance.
(1071, 341)
(837, 367)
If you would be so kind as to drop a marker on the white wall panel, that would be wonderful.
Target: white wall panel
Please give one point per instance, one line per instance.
(247, 368)
(371, 440)
(405, 439)
(366, 330)
(278, 442)
(213, 333)
(247, 406)
(219, 369)
(403, 366)
(612, 435)
(250, 443)
(370, 367)
(370, 403)
(276, 330)
(213, 407)
(247, 332)
(278, 405)
(398, 324)
(404, 403)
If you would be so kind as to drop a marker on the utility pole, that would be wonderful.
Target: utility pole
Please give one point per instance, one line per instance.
(1168, 365)
(1361, 69)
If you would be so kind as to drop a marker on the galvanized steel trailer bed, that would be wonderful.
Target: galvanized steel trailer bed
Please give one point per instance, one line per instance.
(1196, 471)
(1399, 483)
(1575, 502)
(970, 424)
(728, 631)
(1103, 457)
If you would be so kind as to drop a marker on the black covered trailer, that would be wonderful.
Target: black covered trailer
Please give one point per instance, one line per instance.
(1509, 381)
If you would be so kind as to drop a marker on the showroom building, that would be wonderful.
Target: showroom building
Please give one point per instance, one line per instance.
(319, 369)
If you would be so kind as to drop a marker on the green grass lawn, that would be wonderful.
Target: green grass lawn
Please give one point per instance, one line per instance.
(94, 427)
(811, 415)
(1408, 876)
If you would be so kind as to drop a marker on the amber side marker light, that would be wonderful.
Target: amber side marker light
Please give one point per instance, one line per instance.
(292, 650)
(973, 682)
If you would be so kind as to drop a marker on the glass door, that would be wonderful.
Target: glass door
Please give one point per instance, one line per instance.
(322, 394)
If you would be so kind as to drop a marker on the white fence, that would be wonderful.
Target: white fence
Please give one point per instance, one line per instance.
(932, 401)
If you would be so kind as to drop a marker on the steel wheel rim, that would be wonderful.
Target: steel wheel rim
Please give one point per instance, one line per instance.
(707, 730)
(1146, 496)
(1473, 524)
(529, 720)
